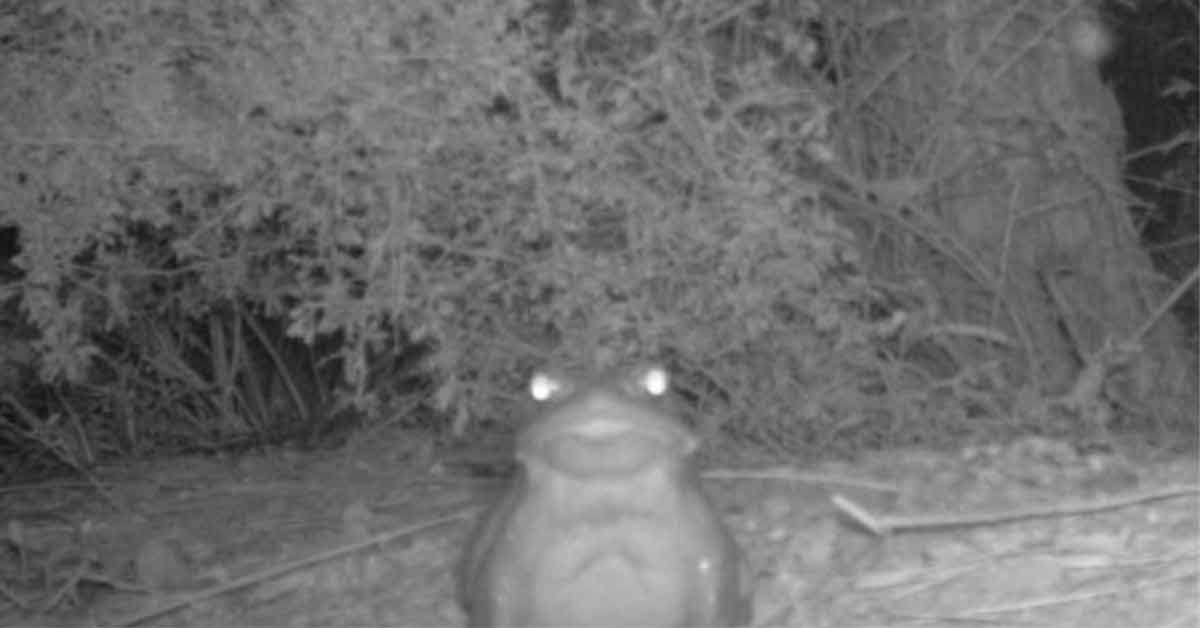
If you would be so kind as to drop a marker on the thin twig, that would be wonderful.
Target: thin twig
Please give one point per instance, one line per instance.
(884, 525)
(278, 570)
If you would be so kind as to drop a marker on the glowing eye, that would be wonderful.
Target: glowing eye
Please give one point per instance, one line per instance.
(655, 381)
(543, 386)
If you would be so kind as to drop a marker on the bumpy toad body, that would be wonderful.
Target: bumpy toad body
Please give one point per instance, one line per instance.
(606, 523)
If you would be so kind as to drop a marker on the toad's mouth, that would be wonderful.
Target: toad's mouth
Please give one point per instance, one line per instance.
(609, 443)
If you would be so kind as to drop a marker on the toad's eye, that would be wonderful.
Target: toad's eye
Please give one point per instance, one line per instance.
(654, 381)
(545, 386)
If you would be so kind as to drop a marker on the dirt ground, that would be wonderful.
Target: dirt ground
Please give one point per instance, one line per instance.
(1030, 533)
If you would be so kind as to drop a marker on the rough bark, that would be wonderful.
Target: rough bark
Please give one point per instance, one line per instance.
(1016, 147)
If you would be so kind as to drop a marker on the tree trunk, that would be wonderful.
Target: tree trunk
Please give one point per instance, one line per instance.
(1015, 146)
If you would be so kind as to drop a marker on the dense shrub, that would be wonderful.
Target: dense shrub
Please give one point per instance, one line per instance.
(243, 220)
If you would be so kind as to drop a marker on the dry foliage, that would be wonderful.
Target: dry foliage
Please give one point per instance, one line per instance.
(500, 180)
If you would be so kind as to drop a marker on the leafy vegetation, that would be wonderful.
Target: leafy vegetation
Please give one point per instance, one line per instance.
(248, 222)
